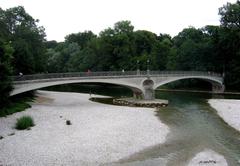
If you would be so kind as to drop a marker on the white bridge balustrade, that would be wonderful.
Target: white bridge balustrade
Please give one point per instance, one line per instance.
(142, 83)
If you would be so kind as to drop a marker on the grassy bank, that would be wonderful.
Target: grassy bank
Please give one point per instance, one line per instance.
(17, 103)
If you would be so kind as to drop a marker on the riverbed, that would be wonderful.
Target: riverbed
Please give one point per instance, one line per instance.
(229, 110)
(99, 134)
(199, 136)
(187, 132)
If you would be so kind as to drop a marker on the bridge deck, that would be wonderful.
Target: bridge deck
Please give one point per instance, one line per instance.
(116, 74)
(141, 83)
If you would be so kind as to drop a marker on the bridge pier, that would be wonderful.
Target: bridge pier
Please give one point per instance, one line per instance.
(149, 93)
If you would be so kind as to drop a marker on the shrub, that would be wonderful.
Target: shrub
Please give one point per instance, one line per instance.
(17, 103)
(24, 123)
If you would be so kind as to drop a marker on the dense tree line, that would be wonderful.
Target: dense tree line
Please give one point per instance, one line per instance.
(211, 48)
(23, 48)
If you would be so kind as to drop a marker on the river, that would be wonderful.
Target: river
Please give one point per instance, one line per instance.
(194, 126)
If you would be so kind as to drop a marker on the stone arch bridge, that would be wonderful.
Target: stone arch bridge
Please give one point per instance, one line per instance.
(141, 83)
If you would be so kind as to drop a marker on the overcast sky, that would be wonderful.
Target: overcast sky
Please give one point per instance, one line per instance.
(62, 17)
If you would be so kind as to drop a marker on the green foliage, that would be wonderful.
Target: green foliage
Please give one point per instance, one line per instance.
(23, 58)
(123, 27)
(116, 48)
(51, 44)
(160, 53)
(24, 122)
(229, 43)
(5, 72)
(230, 15)
(13, 108)
(26, 38)
(16, 104)
(144, 42)
(81, 39)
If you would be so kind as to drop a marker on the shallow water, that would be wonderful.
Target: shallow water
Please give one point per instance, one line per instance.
(194, 126)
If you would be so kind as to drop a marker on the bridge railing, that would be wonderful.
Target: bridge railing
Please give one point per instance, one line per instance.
(113, 73)
(71, 74)
(184, 73)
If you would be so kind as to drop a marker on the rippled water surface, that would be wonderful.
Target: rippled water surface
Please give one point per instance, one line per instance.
(194, 127)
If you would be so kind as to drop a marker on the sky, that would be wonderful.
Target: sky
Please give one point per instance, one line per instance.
(63, 17)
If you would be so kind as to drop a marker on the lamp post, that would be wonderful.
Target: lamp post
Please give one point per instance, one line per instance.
(148, 71)
(138, 70)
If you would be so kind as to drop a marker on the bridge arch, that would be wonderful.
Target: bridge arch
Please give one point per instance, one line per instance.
(25, 87)
(142, 84)
(217, 85)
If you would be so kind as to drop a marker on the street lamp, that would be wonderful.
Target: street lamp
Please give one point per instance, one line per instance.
(148, 71)
(138, 70)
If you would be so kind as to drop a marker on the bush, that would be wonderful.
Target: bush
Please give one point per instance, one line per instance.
(24, 123)
(17, 103)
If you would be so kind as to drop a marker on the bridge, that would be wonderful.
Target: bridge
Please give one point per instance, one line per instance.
(142, 83)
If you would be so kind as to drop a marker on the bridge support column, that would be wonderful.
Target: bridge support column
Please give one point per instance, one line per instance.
(149, 93)
(218, 88)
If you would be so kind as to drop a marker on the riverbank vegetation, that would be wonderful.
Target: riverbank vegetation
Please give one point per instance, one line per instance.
(24, 49)
(24, 122)
(17, 104)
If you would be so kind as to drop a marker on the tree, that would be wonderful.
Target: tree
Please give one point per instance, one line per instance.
(123, 27)
(67, 51)
(81, 38)
(5, 72)
(82, 61)
(19, 27)
(53, 59)
(144, 41)
(23, 59)
(186, 44)
(51, 44)
(230, 15)
(116, 44)
(230, 42)
(3, 26)
(160, 53)
(143, 44)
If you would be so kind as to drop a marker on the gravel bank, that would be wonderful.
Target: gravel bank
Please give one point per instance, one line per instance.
(229, 110)
(99, 133)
